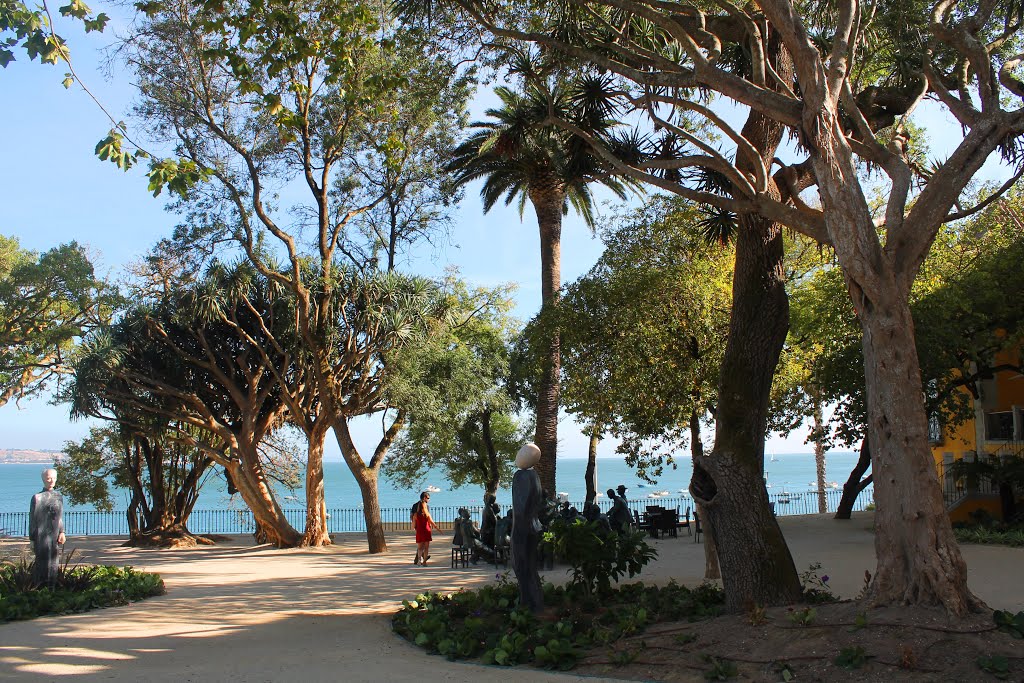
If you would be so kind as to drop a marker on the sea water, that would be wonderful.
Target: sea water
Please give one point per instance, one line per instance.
(784, 472)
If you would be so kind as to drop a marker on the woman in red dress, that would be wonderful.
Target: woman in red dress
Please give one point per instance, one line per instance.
(422, 522)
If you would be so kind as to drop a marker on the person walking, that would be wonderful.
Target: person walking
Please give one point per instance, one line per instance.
(422, 522)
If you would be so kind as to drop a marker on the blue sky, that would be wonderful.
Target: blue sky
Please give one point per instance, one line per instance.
(53, 189)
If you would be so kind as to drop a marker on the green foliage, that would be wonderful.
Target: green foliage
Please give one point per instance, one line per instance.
(454, 388)
(486, 624)
(598, 556)
(804, 616)
(860, 621)
(1009, 535)
(997, 665)
(814, 586)
(643, 332)
(519, 154)
(721, 669)
(852, 657)
(47, 303)
(77, 589)
(969, 276)
(30, 29)
(784, 670)
(1008, 622)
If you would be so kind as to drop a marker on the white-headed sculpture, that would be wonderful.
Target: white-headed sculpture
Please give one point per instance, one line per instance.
(46, 528)
(526, 527)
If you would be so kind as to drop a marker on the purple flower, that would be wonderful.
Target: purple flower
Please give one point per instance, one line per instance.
(825, 578)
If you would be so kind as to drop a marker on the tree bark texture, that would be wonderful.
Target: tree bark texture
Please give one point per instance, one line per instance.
(590, 476)
(819, 457)
(493, 467)
(854, 483)
(366, 477)
(250, 479)
(548, 198)
(712, 570)
(919, 560)
(757, 568)
(316, 533)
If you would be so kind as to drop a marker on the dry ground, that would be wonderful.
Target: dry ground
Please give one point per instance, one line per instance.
(235, 612)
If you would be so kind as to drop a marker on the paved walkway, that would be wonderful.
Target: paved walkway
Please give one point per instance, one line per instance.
(240, 613)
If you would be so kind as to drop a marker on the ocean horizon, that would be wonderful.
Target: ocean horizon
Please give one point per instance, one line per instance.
(788, 472)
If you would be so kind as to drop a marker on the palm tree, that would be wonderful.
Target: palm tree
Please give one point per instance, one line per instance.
(522, 154)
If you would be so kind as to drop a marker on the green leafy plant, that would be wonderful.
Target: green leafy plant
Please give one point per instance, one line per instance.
(686, 638)
(996, 665)
(1008, 622)
(76, 589)
(485, 624)
(814, 586)
(852, 657)
(784, 670)
(626, 656)
(803, 617)
(598, 556)
(860, 621)
(721, 669)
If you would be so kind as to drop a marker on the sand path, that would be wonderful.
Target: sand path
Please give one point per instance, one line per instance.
(241, 613)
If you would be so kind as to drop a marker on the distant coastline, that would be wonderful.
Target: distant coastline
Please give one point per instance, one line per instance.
(18, 456)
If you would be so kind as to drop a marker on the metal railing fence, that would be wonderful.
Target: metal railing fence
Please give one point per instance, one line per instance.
(341, 520)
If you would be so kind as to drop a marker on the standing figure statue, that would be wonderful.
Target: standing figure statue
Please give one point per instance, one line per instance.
(526, 529)
(46, 528)
(488, 517)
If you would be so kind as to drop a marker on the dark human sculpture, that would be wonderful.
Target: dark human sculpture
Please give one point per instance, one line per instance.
(467, 535)
(619, 516)
(621, 488)
(526, 529)
(592, 513)
(487, 519)
(46, 528)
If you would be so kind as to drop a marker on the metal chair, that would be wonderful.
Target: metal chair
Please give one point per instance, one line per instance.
(696, 526)
(460, 555)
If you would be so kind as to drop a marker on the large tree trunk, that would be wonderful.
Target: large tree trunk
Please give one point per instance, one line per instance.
(712, 570)
(366, 478)
(590, 476)
(854, 484)
(316, 533)
(251, 481)
(757, 568)
(919, 561)
(819, 456)
(493, 466)
(547, 199)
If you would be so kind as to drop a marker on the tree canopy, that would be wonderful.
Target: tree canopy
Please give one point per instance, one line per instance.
(47, 303)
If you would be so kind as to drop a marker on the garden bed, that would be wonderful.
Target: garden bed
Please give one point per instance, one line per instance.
(77, 589)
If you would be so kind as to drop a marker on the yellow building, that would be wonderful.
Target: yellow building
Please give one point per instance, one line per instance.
(996, 430)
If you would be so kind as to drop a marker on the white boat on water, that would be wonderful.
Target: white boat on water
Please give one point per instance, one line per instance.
(662, 493)
(834, 485)
(433, 489)
(654, 495)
